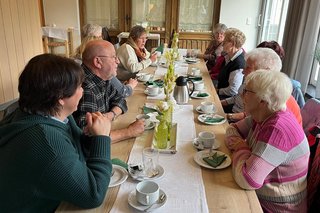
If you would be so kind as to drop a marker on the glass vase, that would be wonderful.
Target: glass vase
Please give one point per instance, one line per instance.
(161, 135)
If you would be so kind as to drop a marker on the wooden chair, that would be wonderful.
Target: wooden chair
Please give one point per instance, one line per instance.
(51, 41)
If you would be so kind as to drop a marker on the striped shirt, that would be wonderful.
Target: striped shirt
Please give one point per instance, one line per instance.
(276, 164)
(98, 95)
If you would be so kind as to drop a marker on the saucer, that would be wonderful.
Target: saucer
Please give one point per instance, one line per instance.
(147, 93)
(198, 145)
(202, 118)
(132, 200)
(195, 95)
(119, 176)
(150, 126)
(198, 158)
(199, 110)
(139, 176)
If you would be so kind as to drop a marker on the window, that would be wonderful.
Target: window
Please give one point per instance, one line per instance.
(274, 18)
(101, 12)
(149, 13)
(196, 15)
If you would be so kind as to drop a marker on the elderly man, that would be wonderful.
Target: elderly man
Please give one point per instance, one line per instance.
(259, 58)
(100, 66)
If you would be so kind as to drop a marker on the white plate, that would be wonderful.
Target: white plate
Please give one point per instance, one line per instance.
(195, 93)
(198, 158)
(191, 60)
(138, 175)
(119, 176)
(198, 109)
(203, 117)
(147, 93)
(132, 200)
(198, 145)
(150, 126)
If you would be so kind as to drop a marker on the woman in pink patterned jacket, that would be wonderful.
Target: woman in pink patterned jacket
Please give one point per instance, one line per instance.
(270, 150)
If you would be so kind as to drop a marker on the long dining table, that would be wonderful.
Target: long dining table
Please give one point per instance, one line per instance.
(221, 191)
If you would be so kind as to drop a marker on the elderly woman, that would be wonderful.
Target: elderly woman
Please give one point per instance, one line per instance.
(44, 156)
(230, 78)
(215, 48)
(93, 32)
(133, 55)
(270, 149)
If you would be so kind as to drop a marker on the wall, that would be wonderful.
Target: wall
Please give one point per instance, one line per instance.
(242, 14)
(64, 14)
(20, 40)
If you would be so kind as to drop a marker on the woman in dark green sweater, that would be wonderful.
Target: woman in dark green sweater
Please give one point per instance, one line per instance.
(44, 157)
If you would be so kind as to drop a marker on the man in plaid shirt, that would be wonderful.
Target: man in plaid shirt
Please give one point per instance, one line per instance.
(100, 66)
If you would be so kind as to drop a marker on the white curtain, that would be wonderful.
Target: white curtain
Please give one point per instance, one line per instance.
(300, 40)
(195, 15)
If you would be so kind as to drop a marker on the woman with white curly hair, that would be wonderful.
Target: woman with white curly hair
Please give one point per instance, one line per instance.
(270, 149)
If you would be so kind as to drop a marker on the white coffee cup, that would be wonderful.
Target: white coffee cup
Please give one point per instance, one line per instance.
(143, 76)
(153, 90)
(207, 107)
(145, 117)
(198, 85)
(195, 71)
(207, 139)
(147, 192)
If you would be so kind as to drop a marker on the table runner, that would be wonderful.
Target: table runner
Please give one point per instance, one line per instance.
(182, 180)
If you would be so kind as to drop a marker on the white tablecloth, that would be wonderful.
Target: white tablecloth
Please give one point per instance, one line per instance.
(182, 181)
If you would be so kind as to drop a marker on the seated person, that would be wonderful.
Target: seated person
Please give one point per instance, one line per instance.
(259, 58)
(133, 55)
(270, 149)
(94, 32)
(296, 92)
(44, 156)
(214, 50)
(99, 94)
(230, 78)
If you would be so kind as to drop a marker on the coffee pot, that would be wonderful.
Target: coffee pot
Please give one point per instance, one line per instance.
(181, 91)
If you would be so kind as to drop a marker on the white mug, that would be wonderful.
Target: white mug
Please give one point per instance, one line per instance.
(145, 117)
(207, 139)
(207, 107)
(153, 90)
(198, 85)
(147, 192)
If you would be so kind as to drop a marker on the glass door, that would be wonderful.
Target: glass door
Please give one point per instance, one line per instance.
(272, 20)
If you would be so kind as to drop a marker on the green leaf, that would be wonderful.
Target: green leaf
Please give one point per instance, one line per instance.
(213, 120)
(202, 94)
(147, 110)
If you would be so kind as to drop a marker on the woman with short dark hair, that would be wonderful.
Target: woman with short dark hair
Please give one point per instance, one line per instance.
(44, 156)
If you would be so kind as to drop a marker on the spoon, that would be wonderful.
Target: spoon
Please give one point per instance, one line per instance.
(161, 199)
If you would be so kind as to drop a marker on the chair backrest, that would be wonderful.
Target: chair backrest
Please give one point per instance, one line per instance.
(310, 114)
(297, 93)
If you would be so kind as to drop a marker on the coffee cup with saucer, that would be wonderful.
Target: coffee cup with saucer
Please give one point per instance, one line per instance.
(152, 90)
(148, 124)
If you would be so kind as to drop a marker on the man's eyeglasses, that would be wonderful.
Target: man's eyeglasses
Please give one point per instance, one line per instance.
(246, 91)
(108, 56)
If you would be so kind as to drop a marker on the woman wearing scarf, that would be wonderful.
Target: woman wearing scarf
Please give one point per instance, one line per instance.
(133, 55)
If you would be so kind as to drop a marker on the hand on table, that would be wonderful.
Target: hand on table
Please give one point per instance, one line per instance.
(132, 83)
(153, 57)
(136, 128)
(235, 143)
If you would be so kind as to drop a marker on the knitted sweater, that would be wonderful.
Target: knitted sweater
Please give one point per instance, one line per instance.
(276, 164)
(42, 163)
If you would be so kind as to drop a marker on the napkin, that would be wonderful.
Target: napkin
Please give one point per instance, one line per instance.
(215, 160)
(157, 82)
(119, 162)
(213, 120)
(192, 78)
(202, 94)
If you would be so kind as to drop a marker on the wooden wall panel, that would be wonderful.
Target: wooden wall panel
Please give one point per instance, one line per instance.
(20, 40)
